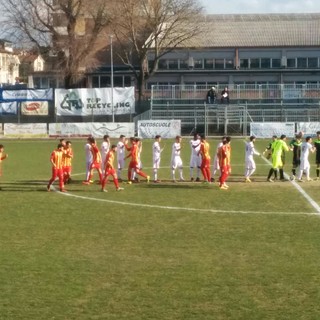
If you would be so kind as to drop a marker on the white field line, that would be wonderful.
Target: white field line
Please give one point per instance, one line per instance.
(298, 187)
(143, 205)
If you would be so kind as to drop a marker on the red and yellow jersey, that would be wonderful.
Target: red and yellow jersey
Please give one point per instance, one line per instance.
(224, 155)
(96, 155)
(2, 156)
(57, 159)
(134, 154)
(204, 150)
(67, 157)
(109, 160)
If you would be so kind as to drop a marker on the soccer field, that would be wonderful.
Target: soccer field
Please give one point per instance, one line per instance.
(156, 251)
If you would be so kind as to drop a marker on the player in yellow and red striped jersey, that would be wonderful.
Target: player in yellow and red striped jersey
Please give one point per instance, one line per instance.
(134, 163)
(56, 160)
(67, 162)
(96, 160)
(3, 156)
(224, 155)
(205, 156)
(110, 170)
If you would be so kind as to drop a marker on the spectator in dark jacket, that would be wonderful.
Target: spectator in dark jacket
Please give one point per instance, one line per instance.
(211, 95)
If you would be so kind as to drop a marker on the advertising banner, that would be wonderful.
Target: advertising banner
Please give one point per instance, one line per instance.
(25, 130)
(27, 95)
(8, 108)
(308, 128)
(164, 128)
(96, 129)
(35, 108)
(268, 129)
(88, 102)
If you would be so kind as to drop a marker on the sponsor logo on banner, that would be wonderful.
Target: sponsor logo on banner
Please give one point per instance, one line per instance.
(308, 128)
(87, 102)
(28, 95)
(96, 129)
(268, 129)
(25, 129)
(39, 108)
(165, 128)
(8, 108)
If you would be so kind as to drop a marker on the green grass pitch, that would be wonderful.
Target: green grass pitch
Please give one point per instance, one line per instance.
(156, 251)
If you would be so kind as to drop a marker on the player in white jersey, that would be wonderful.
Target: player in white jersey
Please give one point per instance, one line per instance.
(195, 159)
(121, 148)
(249, 161)
(176, 161)
(306, 148)
(156, 156)
(216, 166)
(104, 149)
(89, 158)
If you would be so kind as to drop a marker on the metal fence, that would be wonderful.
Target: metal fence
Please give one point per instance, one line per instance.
(230, 119)
(238, 93)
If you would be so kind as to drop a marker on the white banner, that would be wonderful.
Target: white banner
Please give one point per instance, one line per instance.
(35, 108)
(28, 94)
(164, 128)
(25, 129)
(268, 129)
(308, 128)
(96, 129)
(8, 108)
(291, 93)
(87, 102)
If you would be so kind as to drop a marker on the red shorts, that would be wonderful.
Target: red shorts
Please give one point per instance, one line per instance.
(67, 170)
(205, 163)
(95, 165)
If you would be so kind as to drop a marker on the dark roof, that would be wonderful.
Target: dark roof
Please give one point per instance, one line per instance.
(258, 30)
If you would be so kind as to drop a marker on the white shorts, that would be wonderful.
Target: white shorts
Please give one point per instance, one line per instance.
(176, 162)
(195, 162)
(250, 164)
(216, 165)
(121, 164)
(156, 163)
(304, 165)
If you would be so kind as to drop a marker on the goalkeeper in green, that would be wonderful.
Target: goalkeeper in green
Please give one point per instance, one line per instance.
(279, 147)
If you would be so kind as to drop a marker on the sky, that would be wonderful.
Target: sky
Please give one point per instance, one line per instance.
(260, 6)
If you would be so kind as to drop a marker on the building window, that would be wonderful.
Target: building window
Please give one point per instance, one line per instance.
(118, 81)
(265, 63)
(162, 64)
(276, 63)
(198, 63)
(184, 64)
(291, 63)
(301, 62)
(208, 63)
(104, 82)
(312, 62)
(219, 64)
(244, 63)
(229, 64)
(95, 82)
(127, 81)
(254, 63)
(173, 64)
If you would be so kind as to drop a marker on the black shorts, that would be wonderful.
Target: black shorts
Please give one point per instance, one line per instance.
(296, 162)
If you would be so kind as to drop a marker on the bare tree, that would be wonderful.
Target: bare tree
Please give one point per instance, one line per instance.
(69, 28)
(156, 27)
